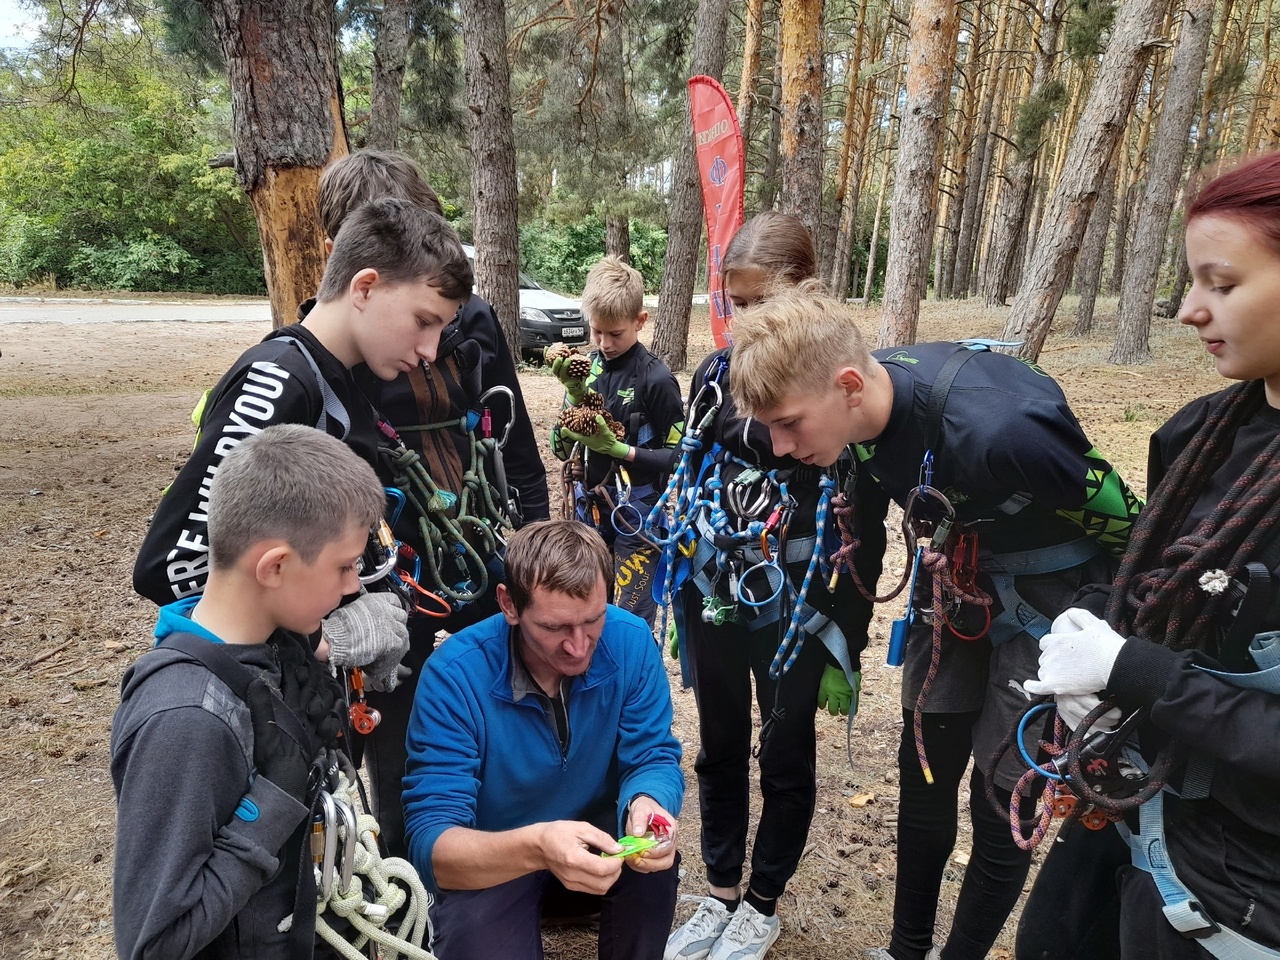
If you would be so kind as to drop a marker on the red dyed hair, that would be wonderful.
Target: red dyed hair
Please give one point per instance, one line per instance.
(1249, 193)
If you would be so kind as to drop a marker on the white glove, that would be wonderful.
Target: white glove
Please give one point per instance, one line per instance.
(370, 632)
(1072, 708)
(1076, 655)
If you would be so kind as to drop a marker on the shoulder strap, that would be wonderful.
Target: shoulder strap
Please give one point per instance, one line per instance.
(938, 398)
(236, 676)
(333, 407)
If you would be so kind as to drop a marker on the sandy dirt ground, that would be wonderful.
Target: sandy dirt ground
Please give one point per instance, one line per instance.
(94, 421)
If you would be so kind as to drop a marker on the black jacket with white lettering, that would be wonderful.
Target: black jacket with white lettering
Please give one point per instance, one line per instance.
(272, 382)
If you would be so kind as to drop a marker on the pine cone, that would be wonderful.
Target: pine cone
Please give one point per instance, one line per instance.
(579, 366)
(592, 401)
(558, 350)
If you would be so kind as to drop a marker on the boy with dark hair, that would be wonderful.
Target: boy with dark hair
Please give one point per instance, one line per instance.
(473, 373)
(395, 279)
(213, 787)
(1013, 509)
(640, 393)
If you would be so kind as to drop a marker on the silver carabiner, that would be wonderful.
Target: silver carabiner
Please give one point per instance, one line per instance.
(350, 842)
(511, 410)
(324, 882)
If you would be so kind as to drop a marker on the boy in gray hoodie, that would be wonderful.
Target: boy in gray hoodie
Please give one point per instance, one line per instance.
(213, 785)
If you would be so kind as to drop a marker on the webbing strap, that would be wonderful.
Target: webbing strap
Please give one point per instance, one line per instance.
(1181, 908)
(938, 398)
(1017, 615)
(333, 407)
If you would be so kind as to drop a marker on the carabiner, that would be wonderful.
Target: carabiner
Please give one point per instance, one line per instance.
(511, 410)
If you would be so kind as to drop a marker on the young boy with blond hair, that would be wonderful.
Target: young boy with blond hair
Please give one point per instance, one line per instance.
(622, 477)
(213, 785)
(951, 432)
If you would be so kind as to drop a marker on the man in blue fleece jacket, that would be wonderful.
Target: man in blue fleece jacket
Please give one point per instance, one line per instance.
(535, 735)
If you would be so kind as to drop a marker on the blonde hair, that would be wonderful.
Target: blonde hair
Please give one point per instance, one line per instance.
(563, 556)
(777, 243)
(792, 343)
(613, 292)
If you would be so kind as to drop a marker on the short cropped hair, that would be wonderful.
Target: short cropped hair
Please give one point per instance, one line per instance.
(404, 243)
(564, 556)
(792, 343)
(293, 483)
(614, 292)
(367, 175)
(777, 243)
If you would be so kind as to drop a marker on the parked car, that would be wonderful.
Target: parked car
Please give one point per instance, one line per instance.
(545, 316)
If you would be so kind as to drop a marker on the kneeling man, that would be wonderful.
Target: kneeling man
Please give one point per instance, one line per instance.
(537, 737)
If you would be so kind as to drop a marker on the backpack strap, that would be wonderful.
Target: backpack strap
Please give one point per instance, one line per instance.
(237, 677)
(333, 407)
(938, 398)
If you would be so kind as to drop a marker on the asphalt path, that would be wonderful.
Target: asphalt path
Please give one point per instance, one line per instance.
(120, 310)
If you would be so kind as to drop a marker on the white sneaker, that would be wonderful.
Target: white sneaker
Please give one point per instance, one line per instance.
(748, 936)
(694, 939)
(882, 953)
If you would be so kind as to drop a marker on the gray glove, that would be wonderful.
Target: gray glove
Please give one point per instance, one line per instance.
(372, 633)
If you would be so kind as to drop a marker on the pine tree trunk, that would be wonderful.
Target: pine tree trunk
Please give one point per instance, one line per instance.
(1101, 124)
(684, 221)
(493, 161)
(616, 126)
(930, 54)
(1015, 199)
(750, 67)
(800, 53)
(960, 164)
(390, 50)
(875, 229)
(979, 169)
(1179, 101)
(1120, 245)
(1092, 249)
(768, 191)
(617, 237)
(286, 112)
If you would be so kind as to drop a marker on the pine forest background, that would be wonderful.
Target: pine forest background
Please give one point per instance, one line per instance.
(1008, 150)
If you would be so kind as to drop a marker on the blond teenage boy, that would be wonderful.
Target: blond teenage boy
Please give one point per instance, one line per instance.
(1046, 514)
(213, 786)
(622, 476)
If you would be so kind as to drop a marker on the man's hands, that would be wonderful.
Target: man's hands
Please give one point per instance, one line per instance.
(575, 387)
(372, 633)
(1076, 659)
(835, 694)
(565, 847)
(277, 757)
(662, 857)
(602, 441)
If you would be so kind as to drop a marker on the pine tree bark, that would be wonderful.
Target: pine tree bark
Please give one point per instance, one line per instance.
(768, 191)
(390, 51)
(1179, 100)
(684, 221)
(491, 136)
(1092, 250)
(1010, 223)
(933, 28)
(800, 53)
(1101, 124)
(286, 111)
(616, 125)
(849, 172)
(945, 281)
(750, 67)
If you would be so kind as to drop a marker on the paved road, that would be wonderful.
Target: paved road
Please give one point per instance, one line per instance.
(112, 310)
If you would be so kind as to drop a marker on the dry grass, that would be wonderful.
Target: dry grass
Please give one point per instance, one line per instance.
(100, 426)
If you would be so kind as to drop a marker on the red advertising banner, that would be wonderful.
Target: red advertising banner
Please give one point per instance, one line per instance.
(722, 168)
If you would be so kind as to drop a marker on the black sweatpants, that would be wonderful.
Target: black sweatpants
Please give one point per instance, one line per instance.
(722, 661)
(927, 825)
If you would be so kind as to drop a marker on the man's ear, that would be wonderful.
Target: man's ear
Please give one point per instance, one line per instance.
(641, 317)
(507, 605)
(362, 285)
(270, 566)
(851, 381)
(328, 247)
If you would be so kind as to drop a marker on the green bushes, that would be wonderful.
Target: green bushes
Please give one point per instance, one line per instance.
(558, 255)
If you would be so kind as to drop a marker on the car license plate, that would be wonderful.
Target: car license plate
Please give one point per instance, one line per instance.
(568, 332)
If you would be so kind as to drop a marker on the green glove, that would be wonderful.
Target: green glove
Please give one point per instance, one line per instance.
(602, 441)
(575, 387)
(836, 695)
(674, 639)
